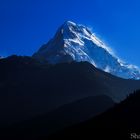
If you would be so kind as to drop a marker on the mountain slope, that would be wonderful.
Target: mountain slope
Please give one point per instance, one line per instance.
(74, 42)
(122, 121)
(64, 116)
(29, 88)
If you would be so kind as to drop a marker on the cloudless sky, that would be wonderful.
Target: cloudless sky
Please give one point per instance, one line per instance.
(27, 24)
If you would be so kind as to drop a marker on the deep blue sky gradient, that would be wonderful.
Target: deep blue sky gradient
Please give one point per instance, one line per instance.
(27, 24)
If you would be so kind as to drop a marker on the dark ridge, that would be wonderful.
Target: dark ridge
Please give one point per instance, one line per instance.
(122, 121)
(29, 88)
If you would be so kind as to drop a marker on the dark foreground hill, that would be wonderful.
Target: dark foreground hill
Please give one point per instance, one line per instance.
(120, 122)
(29, 89)
(58, 119)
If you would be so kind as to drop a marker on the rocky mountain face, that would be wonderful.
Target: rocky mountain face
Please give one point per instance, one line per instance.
(74, 42)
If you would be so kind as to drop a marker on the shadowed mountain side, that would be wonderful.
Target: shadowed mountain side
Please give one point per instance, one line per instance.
(29, 88)
(60, 118)
(122, 121)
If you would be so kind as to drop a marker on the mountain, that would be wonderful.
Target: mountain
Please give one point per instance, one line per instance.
(1, 57)
(60, 118)
(74, 42)
(30, 88)
(121, 121)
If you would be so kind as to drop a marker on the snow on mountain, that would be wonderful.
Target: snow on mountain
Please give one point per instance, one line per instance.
(74, 42)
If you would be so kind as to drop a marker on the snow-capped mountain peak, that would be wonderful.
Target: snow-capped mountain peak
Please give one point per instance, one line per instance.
(75, 42)
(82, 32)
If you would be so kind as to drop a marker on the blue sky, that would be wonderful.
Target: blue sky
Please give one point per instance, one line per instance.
(27, 24)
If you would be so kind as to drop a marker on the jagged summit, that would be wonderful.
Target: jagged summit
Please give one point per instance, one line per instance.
(69, 23)
(75, 42)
